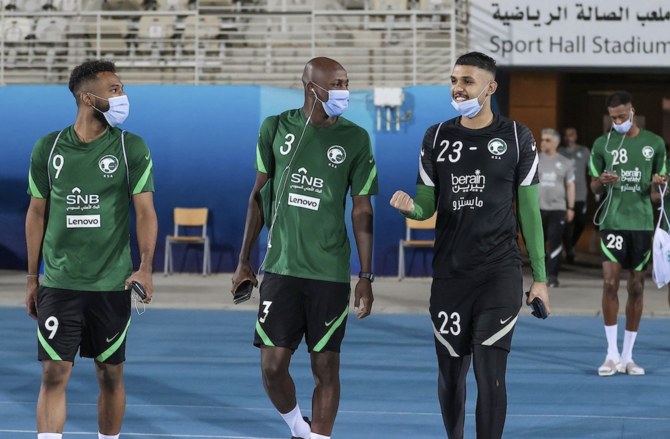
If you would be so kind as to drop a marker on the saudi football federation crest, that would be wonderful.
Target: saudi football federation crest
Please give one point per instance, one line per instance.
(336, 154)
(497, 146)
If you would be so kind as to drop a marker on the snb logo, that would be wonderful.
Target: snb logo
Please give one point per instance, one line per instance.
(300, 177)
(497, 147)
(77, 198)
(108, 164)
(336, 154)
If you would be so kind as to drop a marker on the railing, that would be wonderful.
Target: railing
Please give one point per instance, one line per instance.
(227, 46)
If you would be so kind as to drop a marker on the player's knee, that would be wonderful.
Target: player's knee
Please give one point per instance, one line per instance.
(273, 371)
(635, 291)
(110, 377)
(611, 286)
(55, 374)
(326, 368)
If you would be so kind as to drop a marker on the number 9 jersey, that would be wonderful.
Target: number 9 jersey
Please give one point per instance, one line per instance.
(86, 245)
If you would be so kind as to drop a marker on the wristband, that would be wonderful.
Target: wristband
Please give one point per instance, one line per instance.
(33, 275)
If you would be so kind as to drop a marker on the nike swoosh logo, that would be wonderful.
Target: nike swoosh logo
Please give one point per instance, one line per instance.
(109, 340)
(533, 146)
(372, 160)
(502, 322)
(146, 157)
(331, 322)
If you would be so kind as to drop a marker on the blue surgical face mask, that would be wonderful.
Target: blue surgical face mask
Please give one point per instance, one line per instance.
(337, 103)
(626, 126)
(119, 107)
(471, 107)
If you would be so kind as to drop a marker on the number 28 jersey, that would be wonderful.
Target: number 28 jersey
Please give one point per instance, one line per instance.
(475, 175)
(635, 160)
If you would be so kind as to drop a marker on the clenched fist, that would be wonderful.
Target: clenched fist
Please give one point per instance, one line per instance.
(403, 202)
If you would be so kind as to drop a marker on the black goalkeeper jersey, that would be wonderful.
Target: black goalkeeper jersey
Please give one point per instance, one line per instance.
(475, 174)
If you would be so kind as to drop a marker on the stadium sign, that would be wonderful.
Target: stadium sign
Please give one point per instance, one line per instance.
(596, 33)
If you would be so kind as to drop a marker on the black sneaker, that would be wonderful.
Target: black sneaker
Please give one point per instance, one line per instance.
(308, 423)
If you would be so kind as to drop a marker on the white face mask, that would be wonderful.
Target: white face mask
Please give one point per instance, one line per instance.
(471, 107)
(337, 103)
(626, 126)
(119, 107)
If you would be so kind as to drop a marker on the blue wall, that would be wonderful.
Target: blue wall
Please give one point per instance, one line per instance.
(203, 143)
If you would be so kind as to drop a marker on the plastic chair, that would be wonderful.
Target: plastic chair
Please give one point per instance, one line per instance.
(185, 217)
(410, 225)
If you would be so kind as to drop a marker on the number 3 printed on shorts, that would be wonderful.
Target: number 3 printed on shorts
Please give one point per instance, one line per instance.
(266, 304)
(51, 325)
(614, 241)
(455, 323)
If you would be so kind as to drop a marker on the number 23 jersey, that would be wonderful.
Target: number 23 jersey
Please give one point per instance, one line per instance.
(475, 175)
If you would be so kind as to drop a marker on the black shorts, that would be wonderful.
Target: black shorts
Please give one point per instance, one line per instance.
(291, 307)
(479, 310)
(94, 322)
(631, 249)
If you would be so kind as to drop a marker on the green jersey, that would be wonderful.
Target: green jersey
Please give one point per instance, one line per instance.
(89, 185)
(635, 162)
(310, 180)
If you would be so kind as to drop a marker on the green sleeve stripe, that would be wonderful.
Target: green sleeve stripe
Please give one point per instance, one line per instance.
(606, 251)
(54, 356)
(260, 166)
(664, 170)
(263, 335)
(594, 171)
(113, 348)
(646, 259)
(368, 184)
(145, 177)
(33, 187)
(322, 343)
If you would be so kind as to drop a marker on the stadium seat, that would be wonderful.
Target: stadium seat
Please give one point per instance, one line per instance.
(123, 5)
(389, 5)
(410, 225)
(154, 32)
(434, 5)
(174, 5)
(113, 34)
(188, 217)
(63, 5)
(17, 29)
(209, 28)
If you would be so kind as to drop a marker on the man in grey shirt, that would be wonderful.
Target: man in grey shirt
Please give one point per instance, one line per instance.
(557, 199)
(579, 155)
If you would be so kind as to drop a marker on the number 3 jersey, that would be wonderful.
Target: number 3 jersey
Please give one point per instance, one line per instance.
(89, 186)
(475, 175)
(636, 160)
(310, 180)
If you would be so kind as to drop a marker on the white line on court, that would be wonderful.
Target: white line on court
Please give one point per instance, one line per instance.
(366, 412)
(201, 436)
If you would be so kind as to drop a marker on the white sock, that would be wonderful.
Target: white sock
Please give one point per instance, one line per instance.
(298, 426)
(612, 348)
(628, 343)
(318, 436)
(106, 436)
(49, 435)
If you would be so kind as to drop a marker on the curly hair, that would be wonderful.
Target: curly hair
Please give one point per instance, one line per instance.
(87, 72)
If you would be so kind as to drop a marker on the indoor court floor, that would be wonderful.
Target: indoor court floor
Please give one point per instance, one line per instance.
(195, 374)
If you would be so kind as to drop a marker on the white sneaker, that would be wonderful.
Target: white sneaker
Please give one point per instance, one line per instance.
(631, 369)
(608, 368)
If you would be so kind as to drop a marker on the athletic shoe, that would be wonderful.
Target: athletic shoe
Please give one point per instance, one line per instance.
(308, 422)
(608, 368)
(631, 369)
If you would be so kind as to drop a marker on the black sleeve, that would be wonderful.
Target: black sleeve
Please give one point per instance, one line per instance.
(427, 172)
(526, 167)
